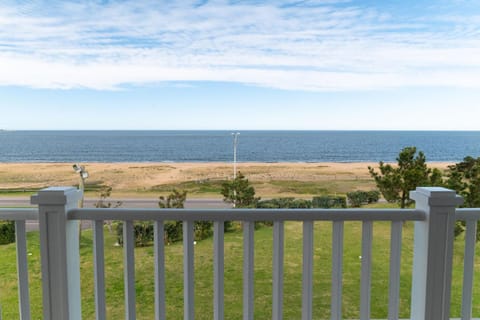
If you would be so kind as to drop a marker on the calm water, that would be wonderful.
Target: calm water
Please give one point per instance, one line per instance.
(203, 146)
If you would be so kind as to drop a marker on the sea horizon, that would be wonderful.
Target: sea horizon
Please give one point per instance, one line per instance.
(268, 146)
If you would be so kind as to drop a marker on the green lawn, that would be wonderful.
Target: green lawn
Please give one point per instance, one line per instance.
(233, 272)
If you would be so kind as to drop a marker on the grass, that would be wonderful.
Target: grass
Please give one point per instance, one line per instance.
(192, 187)
(266, 189)
(233, 275)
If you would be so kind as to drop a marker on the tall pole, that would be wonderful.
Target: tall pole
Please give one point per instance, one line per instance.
(235, 142)
(83, 176)
(81, 187)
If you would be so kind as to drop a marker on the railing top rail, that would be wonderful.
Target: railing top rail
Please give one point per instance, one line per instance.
(467, 214)
(18, 214)
(248, 214)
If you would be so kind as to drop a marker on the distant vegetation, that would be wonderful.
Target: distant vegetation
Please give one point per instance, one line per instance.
(395, 182)
(411, 171)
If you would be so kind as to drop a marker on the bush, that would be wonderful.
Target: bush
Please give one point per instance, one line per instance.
(228, 226)
(143, 233)
(280, 203)
(203, 229)
(7, 232)
(358, 198)
(373, 196)
(286, 203)
(173, 231)
(328, 202)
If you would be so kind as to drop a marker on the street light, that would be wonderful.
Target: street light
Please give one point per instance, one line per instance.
(235, 142)
(83, 176)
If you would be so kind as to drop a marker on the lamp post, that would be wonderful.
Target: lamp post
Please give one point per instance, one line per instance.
(83, 176)
(235, 142)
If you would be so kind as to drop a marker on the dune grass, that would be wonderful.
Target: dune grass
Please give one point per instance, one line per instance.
(233, 275)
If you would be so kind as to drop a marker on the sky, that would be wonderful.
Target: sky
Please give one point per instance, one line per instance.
(240, 65)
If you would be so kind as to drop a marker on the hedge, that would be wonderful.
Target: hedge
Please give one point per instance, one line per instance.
(7, 232)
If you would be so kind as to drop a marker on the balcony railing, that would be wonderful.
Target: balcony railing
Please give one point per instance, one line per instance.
(434, 217)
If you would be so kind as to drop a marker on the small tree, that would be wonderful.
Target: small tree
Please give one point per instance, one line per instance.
(173, 229)
(395, 182)
(176, 199)
(105, 192)
(239, 192)
(464, 178)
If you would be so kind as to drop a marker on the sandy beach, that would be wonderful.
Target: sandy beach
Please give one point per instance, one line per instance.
(137, 179)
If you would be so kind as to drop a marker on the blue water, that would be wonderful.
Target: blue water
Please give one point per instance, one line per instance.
(205, 146)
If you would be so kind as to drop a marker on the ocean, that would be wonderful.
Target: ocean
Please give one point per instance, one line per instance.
(217, 146)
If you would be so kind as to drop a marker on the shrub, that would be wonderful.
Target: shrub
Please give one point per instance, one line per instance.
(358, 198)
(281, 203)
(143, 232)
(329, 202)
(286, 203)
(228, 226)
(173, 231)
(7, 232)
(203, 229)
(373, 196)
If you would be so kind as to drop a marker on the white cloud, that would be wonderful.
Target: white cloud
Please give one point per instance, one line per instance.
(313, 45)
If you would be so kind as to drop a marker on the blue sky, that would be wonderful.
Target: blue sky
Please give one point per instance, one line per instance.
(296, 65)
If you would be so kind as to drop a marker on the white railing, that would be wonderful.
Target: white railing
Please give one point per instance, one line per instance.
(248, 216)
(20, 216)
(471, 218)
(434, 217)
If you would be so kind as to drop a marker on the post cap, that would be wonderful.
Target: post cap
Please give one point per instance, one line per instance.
(56, 196)
(437, 196)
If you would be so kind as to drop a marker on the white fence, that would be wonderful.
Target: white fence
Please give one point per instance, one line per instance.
(434, 217)
(20, 216)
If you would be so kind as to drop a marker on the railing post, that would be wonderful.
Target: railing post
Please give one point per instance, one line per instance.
(60, 255)
(433, 246)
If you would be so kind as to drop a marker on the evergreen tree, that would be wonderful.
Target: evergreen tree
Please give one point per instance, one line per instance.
(411, 171)
(464, 178)
(239, 192)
